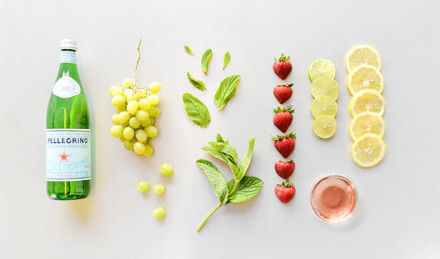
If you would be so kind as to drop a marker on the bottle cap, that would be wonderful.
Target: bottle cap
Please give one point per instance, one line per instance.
(68, 44)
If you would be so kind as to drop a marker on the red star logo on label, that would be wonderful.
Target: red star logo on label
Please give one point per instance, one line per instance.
(64, 157)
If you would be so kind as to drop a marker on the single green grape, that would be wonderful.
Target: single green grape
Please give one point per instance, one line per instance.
(132, 107)
(116, 131)
(134, 122)
(151, 131)
(123, 117)
(118, 100)
(141, 93)
(153, 99)
(148, 150)
(115, 119)
(131, 97)
(139, 148)
(141, 135)
(143, 186)
(142, 115)
(117, 91)
(121, 108)
(159, 212)
(128, 145)
(166, 169)
(154, 111)
(128, 133)
(128, 92)
(144, 104)
(128, 83)
(145, 123)
(155, 87)
(112, 88)
(159, 189)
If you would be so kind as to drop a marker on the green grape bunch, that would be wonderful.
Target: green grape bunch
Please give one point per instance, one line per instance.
(136, 112)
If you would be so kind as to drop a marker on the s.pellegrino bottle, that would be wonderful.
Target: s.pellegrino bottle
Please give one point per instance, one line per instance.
(68, 143)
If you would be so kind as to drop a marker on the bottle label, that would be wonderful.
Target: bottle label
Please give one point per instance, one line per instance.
(66, 87)
(68, 57)
(68, 154)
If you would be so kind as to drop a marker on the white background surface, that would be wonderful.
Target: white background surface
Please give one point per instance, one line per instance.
(397, 211)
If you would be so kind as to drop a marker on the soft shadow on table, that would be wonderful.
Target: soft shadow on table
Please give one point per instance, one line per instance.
(82, 207)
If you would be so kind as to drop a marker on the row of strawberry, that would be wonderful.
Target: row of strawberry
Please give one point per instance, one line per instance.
(285, 144)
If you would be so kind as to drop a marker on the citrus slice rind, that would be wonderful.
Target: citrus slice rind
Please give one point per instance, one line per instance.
(324, 126)
(365, 77)
(362, 55)
(367, 122)
(368, 150)
(325, 86)
(367, 101)
(321, 68)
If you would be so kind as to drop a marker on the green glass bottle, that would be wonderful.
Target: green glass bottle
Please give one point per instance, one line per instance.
(68, 143)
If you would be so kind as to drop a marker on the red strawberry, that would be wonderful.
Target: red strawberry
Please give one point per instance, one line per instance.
(285, 191)
(283, 117)
(285, 169)
(285, 144)
(283, 92)
(282, 66)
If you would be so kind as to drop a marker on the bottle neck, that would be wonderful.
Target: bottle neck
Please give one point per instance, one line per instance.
(68, 56)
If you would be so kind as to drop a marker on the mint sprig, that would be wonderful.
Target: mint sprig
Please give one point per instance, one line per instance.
(239, 189)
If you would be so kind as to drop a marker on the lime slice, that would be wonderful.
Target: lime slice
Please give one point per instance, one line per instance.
(324, 105)
(368, 150)
(320, 68)
(325, 86)
(367, 101)
(362, 55)
(324, 126)
(367, 122)
(365, 77)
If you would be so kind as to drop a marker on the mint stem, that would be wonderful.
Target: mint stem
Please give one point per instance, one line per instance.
(235, 187)
(210, 214)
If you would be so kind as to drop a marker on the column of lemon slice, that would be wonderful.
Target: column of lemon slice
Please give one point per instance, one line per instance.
(366, 83)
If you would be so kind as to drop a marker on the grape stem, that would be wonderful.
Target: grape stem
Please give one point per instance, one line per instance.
(137, 62)
(210, 214)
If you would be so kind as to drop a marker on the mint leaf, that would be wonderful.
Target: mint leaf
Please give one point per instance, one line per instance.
(222, 157)
(226, 149)
(196, 83)
(226, 59)
(218, 183)
(219, 138)
(206, 58)
(188, 50)
(246, 160)
(196, 110)
(248, 188)
(226, 91)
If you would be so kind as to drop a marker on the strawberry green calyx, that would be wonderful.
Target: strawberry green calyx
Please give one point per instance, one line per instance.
(288, 135)
(284, 109)
(287, 183)
(282, 58)
(289, 85)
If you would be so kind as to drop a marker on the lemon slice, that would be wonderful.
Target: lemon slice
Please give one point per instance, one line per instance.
(325, 86)
(324, 126)
(368, 150)
(324, 105)
(321, 67)
(365, 77)
(367, 122)
(362, 55)
(367, 101)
